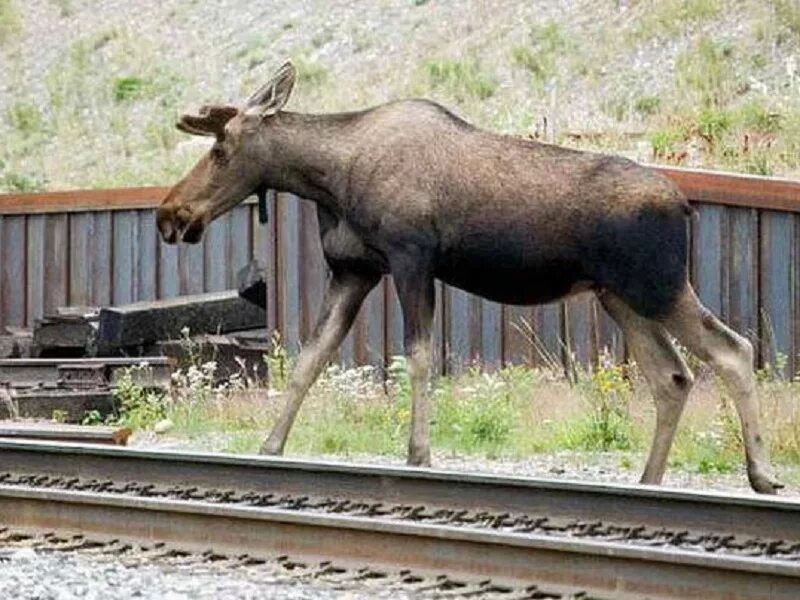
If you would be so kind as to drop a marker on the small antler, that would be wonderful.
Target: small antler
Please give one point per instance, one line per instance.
(210, 120)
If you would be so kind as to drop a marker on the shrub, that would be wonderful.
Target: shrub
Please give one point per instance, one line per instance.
(707, 70)
(462, 79)
(25, 117)
(647, 105)
(10, 21)
(129, 88)
(139, 407)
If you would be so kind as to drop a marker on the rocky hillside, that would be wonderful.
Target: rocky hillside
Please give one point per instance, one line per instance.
(90, 89)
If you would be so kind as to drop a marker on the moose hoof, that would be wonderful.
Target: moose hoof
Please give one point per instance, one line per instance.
(419, 458)
(269, 448)
(764, 484)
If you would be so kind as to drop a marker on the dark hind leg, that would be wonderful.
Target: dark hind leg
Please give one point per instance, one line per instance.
(666, 373)
(731, 357)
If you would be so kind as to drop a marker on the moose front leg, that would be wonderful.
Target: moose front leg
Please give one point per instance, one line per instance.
(343, 298)
(416, 292)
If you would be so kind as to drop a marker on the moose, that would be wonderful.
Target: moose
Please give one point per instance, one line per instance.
(408, 188)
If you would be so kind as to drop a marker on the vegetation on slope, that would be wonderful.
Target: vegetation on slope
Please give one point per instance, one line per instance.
(90, 90)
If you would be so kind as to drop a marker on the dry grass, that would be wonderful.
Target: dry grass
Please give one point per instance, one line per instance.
(512, 413)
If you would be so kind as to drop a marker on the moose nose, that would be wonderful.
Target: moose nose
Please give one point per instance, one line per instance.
(169, 232)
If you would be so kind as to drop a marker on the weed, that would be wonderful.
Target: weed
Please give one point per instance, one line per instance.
(479, 416)
(663, 141)
(59, 416)
(712, 123)
(129, 87)
(788, 14)
(279, 363)
(65, 8)
(242, 442)
(548, 44)
(92, 417)
(707, 71)
(22, 182)
(25, 117)
(253, 53)
(755, 115)
(140, 407)
(322, 38)
(647, 105)
(309, 71)
(10, 20)
(617, 107)
(461, 79)
(667, 18)
(714, 449)
(607, 424)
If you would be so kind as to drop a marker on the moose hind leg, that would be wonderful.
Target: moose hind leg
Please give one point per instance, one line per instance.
(344, 296)
(667, 375)
(415, 289)
(731, 357)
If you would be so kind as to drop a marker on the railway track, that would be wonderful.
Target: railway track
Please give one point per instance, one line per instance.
(563, 538)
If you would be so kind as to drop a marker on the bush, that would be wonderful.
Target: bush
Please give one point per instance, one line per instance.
(10, 21)
(25, 117)
(462, 79)
(139, 407)
(130, 88)
(647, 105)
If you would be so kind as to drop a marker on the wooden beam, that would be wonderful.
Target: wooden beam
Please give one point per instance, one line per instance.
(82, 200)
(732, 189)
(710, 187)
(64, 432)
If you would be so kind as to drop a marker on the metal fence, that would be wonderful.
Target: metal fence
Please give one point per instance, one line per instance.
(101, 247)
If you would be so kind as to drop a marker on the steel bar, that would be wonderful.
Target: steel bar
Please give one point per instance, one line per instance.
(600, 568)
(724, 513)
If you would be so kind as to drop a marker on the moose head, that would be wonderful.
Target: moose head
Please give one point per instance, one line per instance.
(235, 167)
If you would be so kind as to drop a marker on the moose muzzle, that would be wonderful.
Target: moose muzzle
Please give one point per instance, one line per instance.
(179, 224)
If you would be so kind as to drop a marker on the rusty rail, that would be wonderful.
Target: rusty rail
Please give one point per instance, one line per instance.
(217, 518)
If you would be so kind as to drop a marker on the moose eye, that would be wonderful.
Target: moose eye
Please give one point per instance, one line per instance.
(217, 154)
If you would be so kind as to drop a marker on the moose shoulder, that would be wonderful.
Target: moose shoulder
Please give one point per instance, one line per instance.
(410, 189)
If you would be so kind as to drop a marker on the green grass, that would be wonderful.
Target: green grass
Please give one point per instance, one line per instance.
(707, 73)
(310, 72)
(788, 14)
(647, 105)
(10, 20)
(460, 79)
(548, 47)
(511, 413)
(130, 87)
(668, 18)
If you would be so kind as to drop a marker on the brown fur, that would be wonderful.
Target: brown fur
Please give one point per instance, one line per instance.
(410, 189)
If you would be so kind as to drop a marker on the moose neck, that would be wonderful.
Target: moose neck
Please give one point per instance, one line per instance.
(309, 155)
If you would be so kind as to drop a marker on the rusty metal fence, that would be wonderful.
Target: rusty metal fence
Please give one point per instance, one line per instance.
(101, 247)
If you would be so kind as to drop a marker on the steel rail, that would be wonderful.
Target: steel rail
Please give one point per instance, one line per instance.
(596, 567)
(713, 512)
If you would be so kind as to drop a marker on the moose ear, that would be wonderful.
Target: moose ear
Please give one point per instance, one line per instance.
(210, 120)
(273, 95)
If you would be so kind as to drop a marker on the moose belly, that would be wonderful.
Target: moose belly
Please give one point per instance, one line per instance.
(513, 279)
